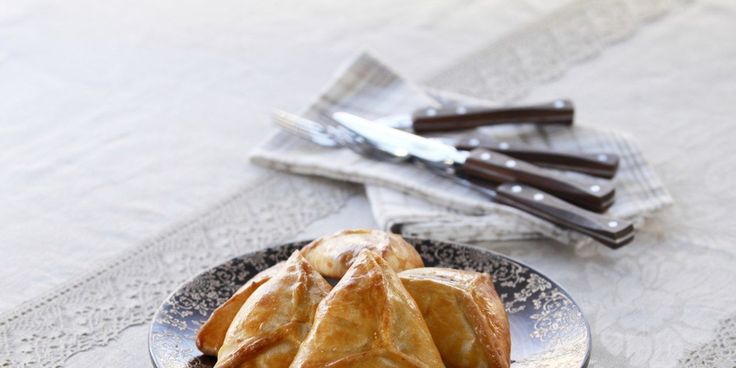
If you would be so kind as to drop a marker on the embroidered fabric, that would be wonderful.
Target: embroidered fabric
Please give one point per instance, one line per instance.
(94, 310)
(720, 352)
(507, 69)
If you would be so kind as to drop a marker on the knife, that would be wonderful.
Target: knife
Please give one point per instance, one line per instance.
(452, 118)
(597, 164)
(498, 168)
(448, 161)
(444, 119)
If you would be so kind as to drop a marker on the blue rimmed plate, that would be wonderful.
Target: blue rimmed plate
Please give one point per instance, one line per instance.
(548, 328)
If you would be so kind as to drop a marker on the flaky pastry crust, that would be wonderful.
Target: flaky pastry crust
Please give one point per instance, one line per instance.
(270, 326)
(212, 333)
(368, 320)
(332, 255)
(466, 317)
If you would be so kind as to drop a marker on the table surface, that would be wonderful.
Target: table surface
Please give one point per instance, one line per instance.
(117, 122)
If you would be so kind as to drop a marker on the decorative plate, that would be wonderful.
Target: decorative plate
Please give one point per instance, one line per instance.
(547, 328)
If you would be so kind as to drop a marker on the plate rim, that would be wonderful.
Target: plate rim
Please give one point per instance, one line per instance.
(409, 239)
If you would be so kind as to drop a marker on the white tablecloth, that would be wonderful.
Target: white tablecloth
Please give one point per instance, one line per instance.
(120, 119)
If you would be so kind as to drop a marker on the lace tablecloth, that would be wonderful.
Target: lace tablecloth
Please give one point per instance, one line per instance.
(667, 299)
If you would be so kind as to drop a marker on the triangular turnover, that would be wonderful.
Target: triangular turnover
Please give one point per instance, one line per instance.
(273, 322)
(368, 320)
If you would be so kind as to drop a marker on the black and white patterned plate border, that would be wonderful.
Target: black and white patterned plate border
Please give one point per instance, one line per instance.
(548, 328)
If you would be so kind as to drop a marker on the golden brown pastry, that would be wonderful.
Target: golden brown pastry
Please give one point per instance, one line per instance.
(465, 316)
(212, 333)
(332, 255)
(368, 320)
(268, 328)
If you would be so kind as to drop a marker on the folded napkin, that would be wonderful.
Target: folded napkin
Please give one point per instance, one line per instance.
(414, 202)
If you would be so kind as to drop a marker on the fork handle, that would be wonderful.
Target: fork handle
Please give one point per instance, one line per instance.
(559, 112)
(597, 164)
(499, 168)
(613, 233)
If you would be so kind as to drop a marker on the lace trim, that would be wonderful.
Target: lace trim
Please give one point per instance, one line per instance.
(94, 310)
(720, 352)
(505, 70)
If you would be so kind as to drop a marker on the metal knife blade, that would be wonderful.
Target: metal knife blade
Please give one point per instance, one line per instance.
(454, 164)
(480, 163)
(402, 143)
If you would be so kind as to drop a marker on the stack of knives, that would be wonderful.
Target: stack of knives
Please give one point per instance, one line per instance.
(509, 173)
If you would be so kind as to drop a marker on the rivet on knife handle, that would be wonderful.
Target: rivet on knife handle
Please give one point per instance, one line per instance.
(613, 233)
(499, 168)
(596, 164)
(559, 112)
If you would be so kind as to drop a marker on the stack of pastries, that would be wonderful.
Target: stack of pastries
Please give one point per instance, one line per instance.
(386, 310)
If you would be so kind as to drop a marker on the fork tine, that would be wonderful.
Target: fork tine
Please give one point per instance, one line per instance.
(290, 120)
(303, 128)
(286, 121)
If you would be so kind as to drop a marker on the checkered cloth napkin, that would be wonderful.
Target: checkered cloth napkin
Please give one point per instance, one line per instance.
(414, 202)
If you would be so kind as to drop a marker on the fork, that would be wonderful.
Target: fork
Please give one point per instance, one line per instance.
(612, 233)
(582, 191)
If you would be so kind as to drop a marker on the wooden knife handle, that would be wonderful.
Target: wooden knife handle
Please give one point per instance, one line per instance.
(597, 164)
(499, 168)
(559, 112)
(613, 233)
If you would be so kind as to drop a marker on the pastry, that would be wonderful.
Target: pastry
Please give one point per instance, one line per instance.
(332, 255)
(212, 333)
(270, 326)
(467, 320)
(368, 320)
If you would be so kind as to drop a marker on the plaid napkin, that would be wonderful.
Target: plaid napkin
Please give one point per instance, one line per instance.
(414, 202)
